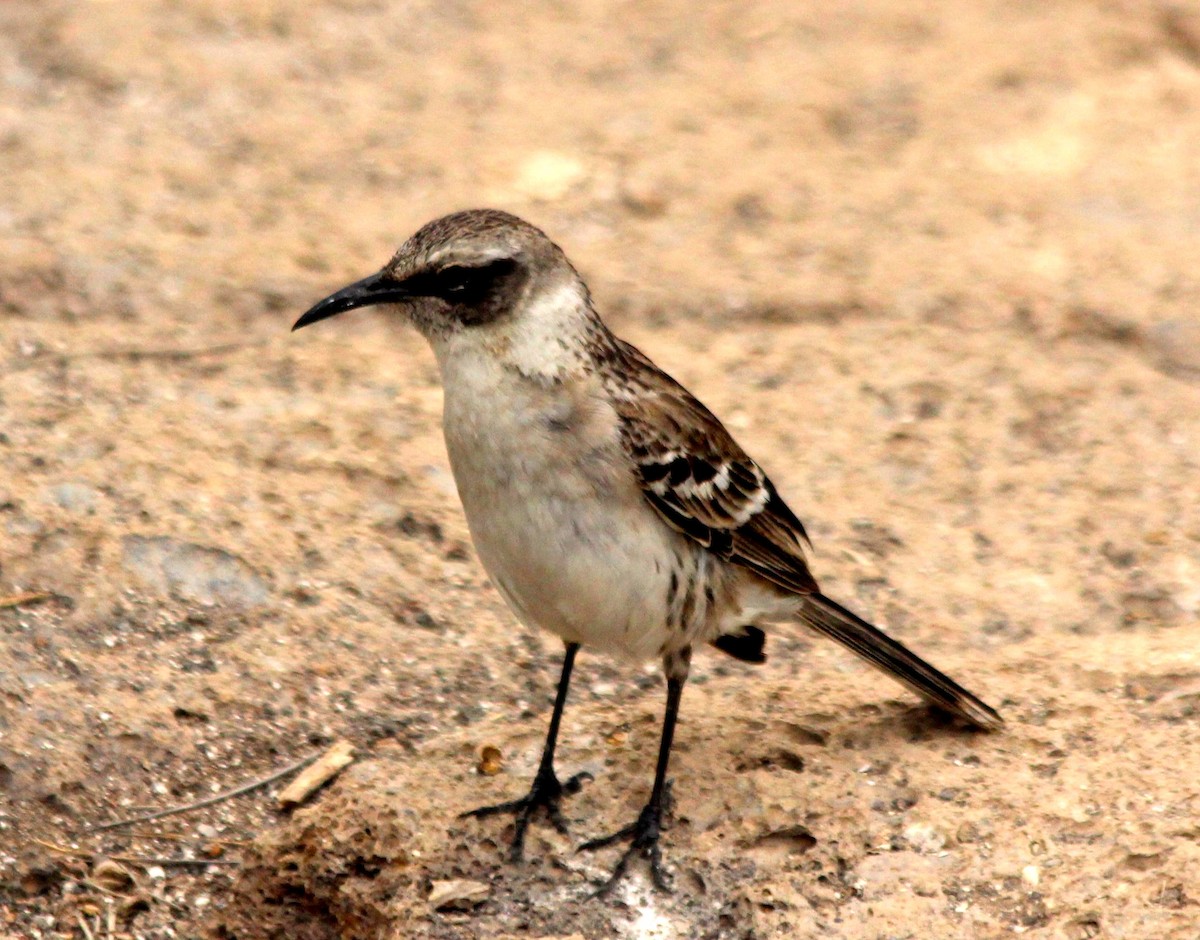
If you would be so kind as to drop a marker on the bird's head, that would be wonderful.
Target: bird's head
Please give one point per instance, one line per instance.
(461, 271)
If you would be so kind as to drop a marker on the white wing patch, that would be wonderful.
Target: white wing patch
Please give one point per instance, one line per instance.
(725, 495)
(698, 478)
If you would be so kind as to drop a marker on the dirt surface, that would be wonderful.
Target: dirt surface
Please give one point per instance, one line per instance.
(935, 264)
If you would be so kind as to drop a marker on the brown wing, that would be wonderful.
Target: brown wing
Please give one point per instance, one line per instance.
(693, 472)
(700, 481)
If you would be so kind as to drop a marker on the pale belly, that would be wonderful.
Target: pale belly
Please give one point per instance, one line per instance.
(594, 582)
(559, 522)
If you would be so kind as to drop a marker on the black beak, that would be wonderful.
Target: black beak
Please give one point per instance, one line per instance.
(376, 289)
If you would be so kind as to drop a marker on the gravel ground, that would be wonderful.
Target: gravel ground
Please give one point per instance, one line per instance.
(933, 263)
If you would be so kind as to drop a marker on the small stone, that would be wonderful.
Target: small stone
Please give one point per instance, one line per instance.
(1031, 875)
(924, 838)
(644, 193)
(457, 895)
(73, 497)
(549, 175)
(1175, 345)
(24, 525)
(193, 572)
(112, 876)
(491, 761)
(155, 873)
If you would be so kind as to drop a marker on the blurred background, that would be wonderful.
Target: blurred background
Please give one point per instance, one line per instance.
(934, 262)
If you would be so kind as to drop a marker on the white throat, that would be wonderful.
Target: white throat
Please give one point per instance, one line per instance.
(546, 339)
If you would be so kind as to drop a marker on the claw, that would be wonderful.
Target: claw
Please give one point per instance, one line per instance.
(643, 841)
(547, 792)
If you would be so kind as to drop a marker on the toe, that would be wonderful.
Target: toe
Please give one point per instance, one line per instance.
(481, 812)
(592, 844)
(557, 820)
(575, 783)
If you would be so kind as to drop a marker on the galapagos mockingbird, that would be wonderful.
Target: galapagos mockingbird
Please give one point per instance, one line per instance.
(607, 504)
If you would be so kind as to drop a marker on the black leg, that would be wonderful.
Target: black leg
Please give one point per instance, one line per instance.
(546, 791)
(643, 834)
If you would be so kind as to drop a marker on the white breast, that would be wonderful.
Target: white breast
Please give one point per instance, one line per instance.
(557, 518)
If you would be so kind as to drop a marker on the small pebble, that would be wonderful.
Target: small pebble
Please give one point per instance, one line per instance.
(491, 761)
(549, 175)
(923, 837)
(112, 876)
(644, 193)
(73, 497)
(457, 895)
(1175, 345)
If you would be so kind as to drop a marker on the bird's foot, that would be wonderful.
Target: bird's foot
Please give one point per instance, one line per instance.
(643, 841)
(546, 793)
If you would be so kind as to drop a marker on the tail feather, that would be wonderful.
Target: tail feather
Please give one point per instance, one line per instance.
(896, 660)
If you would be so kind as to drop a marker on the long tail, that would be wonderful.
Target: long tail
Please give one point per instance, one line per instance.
(881, 651)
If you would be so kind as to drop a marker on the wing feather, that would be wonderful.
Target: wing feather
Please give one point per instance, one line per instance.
(700, 481)
(705, 486)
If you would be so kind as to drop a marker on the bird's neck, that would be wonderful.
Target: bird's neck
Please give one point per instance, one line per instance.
(553, 337)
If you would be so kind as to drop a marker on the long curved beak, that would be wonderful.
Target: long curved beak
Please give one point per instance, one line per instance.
(376, 289)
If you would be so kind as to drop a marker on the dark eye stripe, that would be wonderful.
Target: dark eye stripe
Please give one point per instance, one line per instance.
(461, 283)
(456, 278)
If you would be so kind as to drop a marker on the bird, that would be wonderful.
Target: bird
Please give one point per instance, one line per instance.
(606, 503)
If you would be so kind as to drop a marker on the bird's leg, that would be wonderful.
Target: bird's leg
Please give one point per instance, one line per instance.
(643, 833)
(547, 791)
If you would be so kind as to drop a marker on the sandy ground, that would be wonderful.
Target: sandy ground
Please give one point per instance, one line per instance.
(935, 263)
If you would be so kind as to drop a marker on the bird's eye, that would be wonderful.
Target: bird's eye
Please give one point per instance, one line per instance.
(469, 284)
(456, 279)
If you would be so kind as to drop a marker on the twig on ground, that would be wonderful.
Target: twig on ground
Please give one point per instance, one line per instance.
(332, 762)
(138, 355)
(141, 861)
(146, 861)
(187, 840)
(62, 849)
(209, 801)
(25, 597)
(173, 355)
